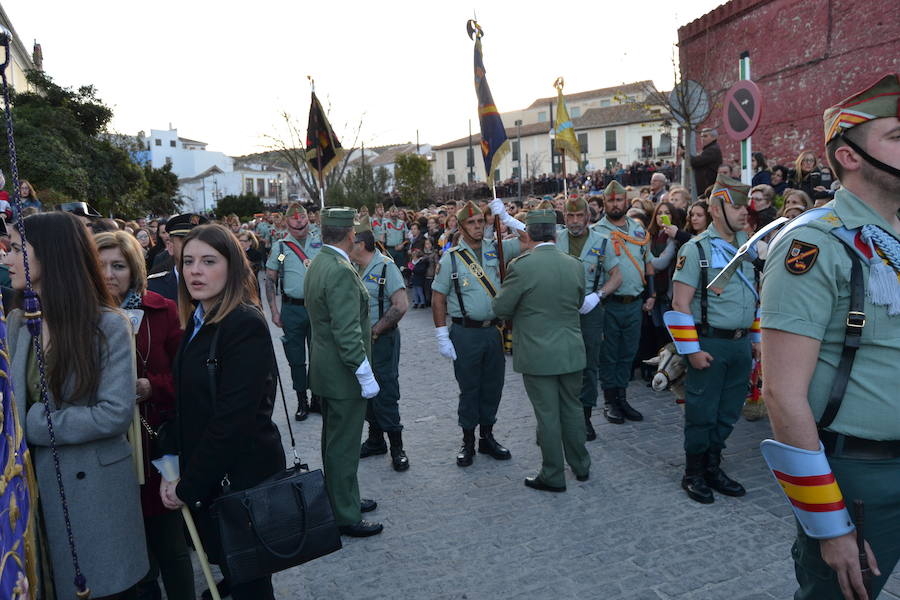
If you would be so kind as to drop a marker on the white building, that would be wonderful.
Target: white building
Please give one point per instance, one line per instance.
(613, 125)
(21, 62)
(203, 191)
(188, 157)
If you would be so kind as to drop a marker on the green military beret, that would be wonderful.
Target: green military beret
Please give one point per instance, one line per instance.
(536, 217)
(879, 100)
(469, 210)
(294, 210)
(338, 217)
(364, 224)
(576, 204)
(614, 190)
(730, 190)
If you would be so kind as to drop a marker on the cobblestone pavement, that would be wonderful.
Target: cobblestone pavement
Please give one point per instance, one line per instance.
(629, 532)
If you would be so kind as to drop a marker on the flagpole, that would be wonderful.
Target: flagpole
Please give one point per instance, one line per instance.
(497, 237)
(565, 183)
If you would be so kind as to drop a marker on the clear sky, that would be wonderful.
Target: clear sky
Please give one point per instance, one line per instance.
(223, 72)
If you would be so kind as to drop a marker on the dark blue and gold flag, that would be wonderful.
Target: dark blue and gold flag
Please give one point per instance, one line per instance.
(18, 494)
(494, 144)
(323, 150)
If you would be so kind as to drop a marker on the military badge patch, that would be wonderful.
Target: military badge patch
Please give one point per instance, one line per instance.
(680, 264)
(800, 257)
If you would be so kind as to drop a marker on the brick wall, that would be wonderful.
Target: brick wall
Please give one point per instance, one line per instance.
(805, 55)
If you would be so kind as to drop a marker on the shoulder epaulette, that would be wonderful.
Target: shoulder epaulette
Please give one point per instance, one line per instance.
(519, 257)
(155, 275)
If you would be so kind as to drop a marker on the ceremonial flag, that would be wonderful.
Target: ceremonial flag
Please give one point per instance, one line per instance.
(565, 134)
(323, 150)
(494, 144)
(18, 490)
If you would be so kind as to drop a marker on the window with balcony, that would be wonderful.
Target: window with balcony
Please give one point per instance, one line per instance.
(515, 150)
(158, 142)
(451, 179)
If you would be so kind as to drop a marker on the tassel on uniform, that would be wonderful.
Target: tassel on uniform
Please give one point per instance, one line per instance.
(884, 288)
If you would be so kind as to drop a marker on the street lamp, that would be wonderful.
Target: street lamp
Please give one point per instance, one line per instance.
(519, 153)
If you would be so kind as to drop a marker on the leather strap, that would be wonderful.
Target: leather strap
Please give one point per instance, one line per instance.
(454, 276)
(297, 250)
(482, 278)
(600, 258)
(381, 283)
(856, 320)
(704, 294)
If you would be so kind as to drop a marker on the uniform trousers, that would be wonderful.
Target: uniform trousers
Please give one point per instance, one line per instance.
(479, 369)
(399, 258)
(621, 336)
(342, 425)
(714, 395)
(295, 324)
(877, 484)
(560, 424)
(592, 334)
(384, 409)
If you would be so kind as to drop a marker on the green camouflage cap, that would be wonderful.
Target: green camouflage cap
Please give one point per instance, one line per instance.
(614, 190)
(576, 204)
(338, 217)
(879, 100)
(469, 210)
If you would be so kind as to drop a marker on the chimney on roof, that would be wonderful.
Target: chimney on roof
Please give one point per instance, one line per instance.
(37, 56)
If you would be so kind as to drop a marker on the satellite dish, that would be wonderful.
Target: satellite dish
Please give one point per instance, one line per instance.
(689, 102)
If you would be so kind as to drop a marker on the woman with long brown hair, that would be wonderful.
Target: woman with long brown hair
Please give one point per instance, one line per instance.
(226, 433)
(91, 391)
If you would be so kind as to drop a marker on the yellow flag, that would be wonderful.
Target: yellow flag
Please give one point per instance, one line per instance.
(565, 132)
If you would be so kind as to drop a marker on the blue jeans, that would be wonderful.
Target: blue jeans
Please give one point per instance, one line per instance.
(419, 295)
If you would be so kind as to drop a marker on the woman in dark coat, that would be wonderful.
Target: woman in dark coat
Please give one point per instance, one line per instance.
(228, 436)
(156, 342)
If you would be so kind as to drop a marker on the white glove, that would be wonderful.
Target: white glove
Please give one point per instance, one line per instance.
(366, 380)
(496, 206)
(445, 346)
(590, 302)
(512, 222)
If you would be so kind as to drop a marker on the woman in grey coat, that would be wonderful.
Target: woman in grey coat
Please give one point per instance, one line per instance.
(90, 370)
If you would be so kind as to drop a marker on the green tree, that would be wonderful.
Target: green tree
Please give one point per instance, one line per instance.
(412, 175)
(361, 186)
(244, 206)
(62, 151)
(162, 192)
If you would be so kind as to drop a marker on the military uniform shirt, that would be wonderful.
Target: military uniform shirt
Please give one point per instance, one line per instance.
(370, 276)
(293, 271)
(263, 229)
(590, 257)
(476, 299)
(814, 304)
(378, 225)
(395, 232)
(736, 307)
(631, 277)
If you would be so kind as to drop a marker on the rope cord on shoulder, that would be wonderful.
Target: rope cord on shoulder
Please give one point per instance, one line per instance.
(33, 316)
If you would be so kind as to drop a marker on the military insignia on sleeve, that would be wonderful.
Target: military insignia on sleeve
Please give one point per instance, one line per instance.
(800, 257)
(680, 264)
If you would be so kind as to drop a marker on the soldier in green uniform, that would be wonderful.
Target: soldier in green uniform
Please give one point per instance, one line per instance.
(263, 230)
(543, 293)
(622, 320)
(602, 277)
(465, 282)
(289, 260)
(714, 332)
(379, 222)
(831, 346)
(314, 227)
(341, 373)
(388, 303)
(395, 236)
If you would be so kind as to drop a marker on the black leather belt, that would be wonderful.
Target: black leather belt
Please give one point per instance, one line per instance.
(472, 324)
(723, 334)
(294, 301)
(847, 446)
(620, 299)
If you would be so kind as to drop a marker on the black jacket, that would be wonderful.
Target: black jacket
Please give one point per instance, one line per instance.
(232, 433)
(165, 284)
(705, 165)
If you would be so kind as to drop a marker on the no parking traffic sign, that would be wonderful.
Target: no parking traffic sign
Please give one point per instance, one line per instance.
(742, 110)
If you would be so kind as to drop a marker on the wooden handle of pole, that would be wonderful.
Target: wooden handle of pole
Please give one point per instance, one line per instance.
(201, 553)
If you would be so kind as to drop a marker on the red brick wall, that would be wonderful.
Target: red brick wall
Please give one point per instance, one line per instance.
(805, 55)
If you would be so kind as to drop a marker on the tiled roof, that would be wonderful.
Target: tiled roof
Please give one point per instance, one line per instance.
(628, 88)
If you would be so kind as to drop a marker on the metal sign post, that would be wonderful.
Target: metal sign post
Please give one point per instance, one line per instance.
(741, 113)
(746, 144)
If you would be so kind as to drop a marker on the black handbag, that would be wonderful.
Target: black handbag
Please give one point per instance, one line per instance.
(283, 522)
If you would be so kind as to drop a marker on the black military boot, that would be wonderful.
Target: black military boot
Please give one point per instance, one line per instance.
(611, 409)
(488, 445)
(627, 411)
(374, 445)
(717, 479)
(591, 434)
(398, 456)
(302, 407)
(693, 481)
(315, 404)
(466, 453)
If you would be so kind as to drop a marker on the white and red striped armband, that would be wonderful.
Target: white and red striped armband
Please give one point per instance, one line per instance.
(806, 479)
(756, 330)
(683, 331)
